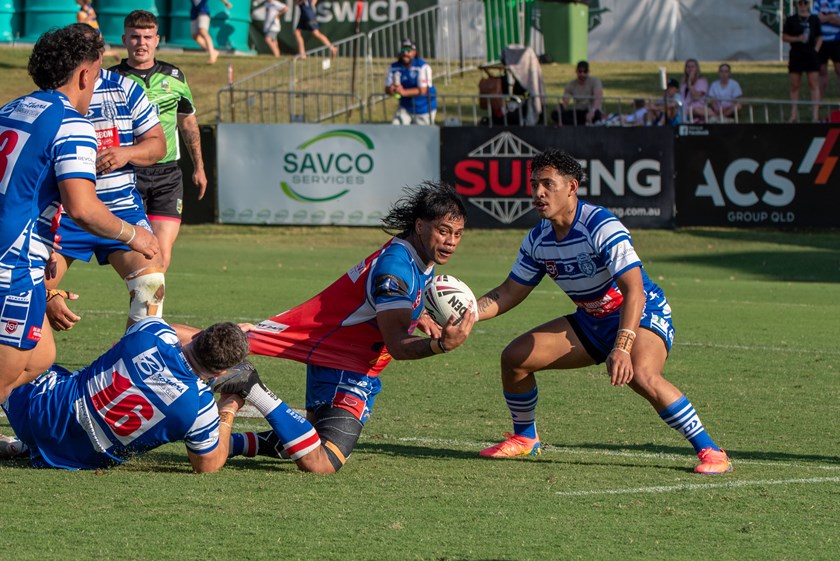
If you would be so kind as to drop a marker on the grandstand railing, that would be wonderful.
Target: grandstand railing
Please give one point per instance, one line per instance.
(477, 110)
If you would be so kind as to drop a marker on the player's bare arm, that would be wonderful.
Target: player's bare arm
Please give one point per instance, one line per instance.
(214, 460)
(504, 297)
(146, 151)
(188, 125)
(394, 326)
(78, 197)
(619, 362)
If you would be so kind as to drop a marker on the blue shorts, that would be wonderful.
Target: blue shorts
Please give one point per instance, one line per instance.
(79, 244)
(22, 317)
(597, 335)
(308, 20)
(341, 388)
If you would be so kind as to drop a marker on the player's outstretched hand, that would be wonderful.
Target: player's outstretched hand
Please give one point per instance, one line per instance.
(61, 317)
(144, 242)
(428, 326)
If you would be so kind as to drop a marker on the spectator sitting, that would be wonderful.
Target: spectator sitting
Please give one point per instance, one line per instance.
(673, 102)
(587, 93)
(693, 90)
(724, 94)
(410, 80)
(639, 117)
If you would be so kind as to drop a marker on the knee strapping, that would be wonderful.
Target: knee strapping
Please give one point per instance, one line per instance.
(339, 431)
(146, 289)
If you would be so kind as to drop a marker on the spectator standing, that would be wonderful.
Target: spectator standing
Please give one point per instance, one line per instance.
(724, 93)
(693, 90)
(410, 79)
(804, 33)
(200, 27)
(87, 14)
(161, 185)
(308, 21)
(50, 158)
(828, 12)
(271, 26)
(587, 93)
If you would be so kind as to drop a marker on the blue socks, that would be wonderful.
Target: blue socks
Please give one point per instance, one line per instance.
(523, 410)
(682, 417)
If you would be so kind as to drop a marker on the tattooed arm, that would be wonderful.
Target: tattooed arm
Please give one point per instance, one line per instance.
(502, 298)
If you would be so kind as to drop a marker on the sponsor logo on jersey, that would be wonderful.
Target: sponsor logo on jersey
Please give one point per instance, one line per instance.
(11, 326)
(34, 333)
(164, 85)
(551, 268)
(107, 138)
(271, 326)
(356, 271)
(158, 377)
(86, 155)
(29, 109)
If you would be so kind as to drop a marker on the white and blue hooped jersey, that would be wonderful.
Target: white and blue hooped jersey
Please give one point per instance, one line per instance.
(830, 31)
(596, 251)
(140, 394)
(120, 112)
(43, 141)
(418, 74)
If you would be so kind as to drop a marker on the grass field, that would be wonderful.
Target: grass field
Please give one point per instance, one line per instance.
(756, 351)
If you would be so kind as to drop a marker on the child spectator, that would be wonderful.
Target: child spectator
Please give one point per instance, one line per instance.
(724, 94)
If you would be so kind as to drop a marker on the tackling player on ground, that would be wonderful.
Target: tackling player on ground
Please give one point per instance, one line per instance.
(622, 317)
(347, 334)
(142, 393)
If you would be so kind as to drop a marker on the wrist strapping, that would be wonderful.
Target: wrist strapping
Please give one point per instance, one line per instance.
(624, 340)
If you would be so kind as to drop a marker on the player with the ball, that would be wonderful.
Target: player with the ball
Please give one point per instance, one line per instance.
(349, 332)
(622, 318)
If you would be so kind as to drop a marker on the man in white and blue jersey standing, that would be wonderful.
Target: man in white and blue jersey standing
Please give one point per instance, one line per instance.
(828, 11)
(410, 79)
(145, 391)
(47, 157)
(128, 134)
(622, 318)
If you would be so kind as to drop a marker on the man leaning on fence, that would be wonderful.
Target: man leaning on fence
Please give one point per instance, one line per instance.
(410, 81)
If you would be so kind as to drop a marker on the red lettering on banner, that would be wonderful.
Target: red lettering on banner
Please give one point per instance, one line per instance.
(469, 183)
(504, 177)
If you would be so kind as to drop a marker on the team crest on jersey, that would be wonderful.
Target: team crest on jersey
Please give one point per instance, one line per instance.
(164, 85)
(157, 376)
(11, 326)
(586, 265)
(109, 110)
(551, 268)
(179, 206)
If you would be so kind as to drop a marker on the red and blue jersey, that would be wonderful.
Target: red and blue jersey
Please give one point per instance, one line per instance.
(337, 328)
(43, 141)
(139, 395)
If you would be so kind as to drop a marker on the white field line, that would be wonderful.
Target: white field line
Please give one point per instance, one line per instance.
(698, 487)
(762, 348)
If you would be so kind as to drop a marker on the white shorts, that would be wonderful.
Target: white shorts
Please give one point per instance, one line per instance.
(201, 22)
(271, 28)
(403, 117)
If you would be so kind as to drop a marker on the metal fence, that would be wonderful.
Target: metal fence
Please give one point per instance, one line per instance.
(452, 38)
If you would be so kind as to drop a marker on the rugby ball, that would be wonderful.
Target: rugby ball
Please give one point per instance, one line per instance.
(445, 296)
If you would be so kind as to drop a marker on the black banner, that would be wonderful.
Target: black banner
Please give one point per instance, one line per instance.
(628, 170)
(758, 175)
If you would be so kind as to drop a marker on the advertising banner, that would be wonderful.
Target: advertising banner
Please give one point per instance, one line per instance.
(628, 170)
(320, 174)
(758, 175)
